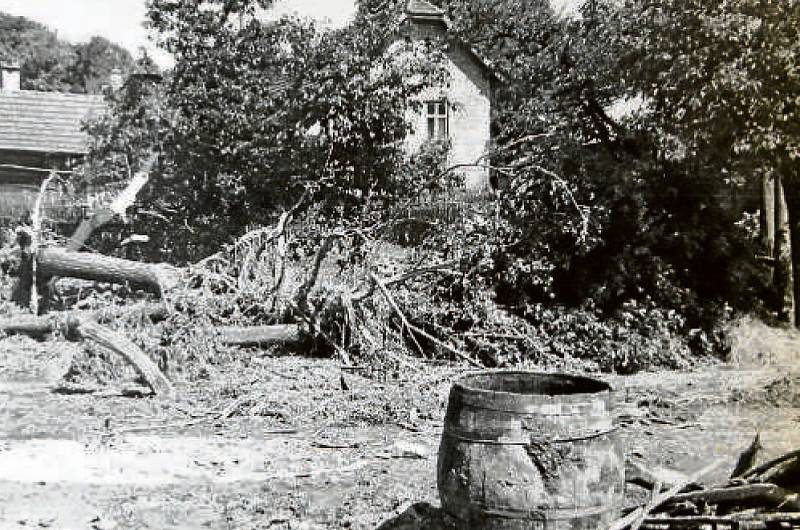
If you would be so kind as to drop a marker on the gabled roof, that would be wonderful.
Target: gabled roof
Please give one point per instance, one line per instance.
(421, 10)
(46, 122)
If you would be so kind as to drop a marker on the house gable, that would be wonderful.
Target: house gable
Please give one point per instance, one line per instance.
(468, 95)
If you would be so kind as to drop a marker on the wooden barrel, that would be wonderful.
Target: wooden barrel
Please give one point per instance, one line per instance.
(533, 451)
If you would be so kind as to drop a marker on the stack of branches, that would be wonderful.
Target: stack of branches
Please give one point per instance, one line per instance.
(261, 290)
(760, 496)
(328, 291)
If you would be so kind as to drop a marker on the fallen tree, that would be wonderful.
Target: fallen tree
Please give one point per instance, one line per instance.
(245, 282)
(115, 342)
(90, 266)
(81, 325)
(70, 323)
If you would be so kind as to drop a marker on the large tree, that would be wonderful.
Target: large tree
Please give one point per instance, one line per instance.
(93, 63)
(258, 110)
(721, 82)
(601, 205)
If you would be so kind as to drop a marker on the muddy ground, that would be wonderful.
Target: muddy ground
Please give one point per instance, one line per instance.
(294, 443)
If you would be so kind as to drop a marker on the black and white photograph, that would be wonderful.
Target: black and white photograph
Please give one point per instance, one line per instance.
(399, 264)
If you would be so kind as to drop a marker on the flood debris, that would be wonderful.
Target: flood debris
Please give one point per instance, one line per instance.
(761, 496)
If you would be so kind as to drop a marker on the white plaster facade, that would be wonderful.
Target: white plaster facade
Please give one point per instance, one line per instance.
(468, 95)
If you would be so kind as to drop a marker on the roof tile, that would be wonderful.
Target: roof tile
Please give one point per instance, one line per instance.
(48, 122)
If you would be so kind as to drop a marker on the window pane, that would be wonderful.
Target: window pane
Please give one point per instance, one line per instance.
(442, 129)
(431, 108)
(431, 127)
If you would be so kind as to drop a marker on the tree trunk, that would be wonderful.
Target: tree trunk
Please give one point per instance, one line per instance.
(784, 275)
(767, 215)
(87, 227)
(88, 266)
(40, 326)
(30, 325)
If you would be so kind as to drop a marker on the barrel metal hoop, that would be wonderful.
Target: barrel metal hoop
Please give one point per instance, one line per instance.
(553, 514)
(518, 412)
(531, 439)
(524, 409)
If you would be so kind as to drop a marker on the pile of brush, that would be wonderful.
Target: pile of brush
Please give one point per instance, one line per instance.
(764, 496)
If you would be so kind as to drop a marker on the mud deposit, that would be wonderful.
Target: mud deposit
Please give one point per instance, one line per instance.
(289, 447)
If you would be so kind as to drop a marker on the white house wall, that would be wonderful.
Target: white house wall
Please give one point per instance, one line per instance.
(469, 99)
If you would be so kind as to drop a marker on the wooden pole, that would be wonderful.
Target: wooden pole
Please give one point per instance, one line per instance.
(767, 215)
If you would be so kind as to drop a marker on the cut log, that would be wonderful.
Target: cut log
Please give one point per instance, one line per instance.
(88, 266)
(259, 335)
(39, 326)
(31, 325)
(116, 343)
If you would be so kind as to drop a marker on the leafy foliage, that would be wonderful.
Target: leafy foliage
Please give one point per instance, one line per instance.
(255, 112)
(724, 96)
(621, 148)
(50, 64)
(599, 206)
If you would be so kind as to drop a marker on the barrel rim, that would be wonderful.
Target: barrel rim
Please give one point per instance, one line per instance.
(461, 387)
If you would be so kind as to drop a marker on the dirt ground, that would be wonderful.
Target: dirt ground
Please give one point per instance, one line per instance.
(294, 443)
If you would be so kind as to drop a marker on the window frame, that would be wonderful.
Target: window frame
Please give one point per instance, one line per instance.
(437, 117)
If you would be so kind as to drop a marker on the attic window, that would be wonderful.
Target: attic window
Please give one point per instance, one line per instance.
(437, 119)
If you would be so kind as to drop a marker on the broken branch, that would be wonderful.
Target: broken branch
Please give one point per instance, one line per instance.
(661, 498)
(769, 492)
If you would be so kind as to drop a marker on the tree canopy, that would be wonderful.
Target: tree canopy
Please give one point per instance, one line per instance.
(624, 135)
(50, 64)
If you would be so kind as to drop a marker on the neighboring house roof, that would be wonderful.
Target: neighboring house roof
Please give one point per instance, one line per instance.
(47, 122)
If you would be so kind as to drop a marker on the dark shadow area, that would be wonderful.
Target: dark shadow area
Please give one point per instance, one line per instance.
(421, 516)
